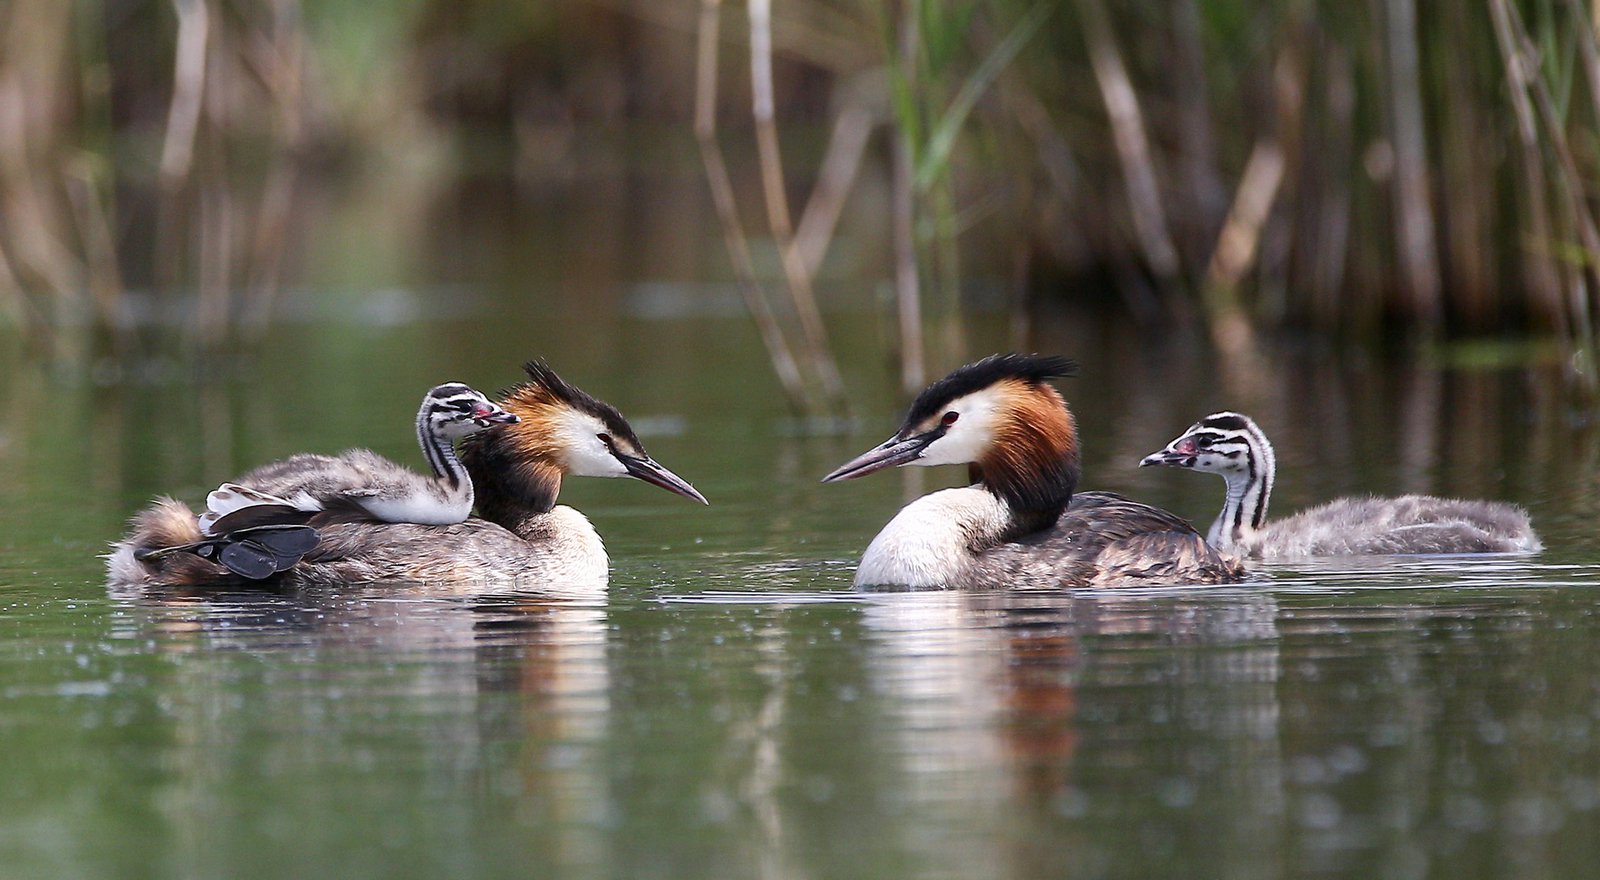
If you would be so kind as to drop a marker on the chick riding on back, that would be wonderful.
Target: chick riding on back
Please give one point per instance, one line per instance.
(549, 429)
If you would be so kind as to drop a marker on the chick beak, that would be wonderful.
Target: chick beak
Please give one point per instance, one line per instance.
(647, 470)
(498, 417)
(1169, 457)
(889, 453)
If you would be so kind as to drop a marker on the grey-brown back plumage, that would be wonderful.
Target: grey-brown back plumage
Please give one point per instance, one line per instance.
(328, 476)
(1105, 540)
(1406, 524)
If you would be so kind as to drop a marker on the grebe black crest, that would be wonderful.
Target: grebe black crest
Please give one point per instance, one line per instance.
(371, 520)
(563, 432)
(1233, 446)
(1022, 522)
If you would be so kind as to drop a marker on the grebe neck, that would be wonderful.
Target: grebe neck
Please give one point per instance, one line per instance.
(440, 453)
(1034, 471)
(1244, 508)
(514, 487)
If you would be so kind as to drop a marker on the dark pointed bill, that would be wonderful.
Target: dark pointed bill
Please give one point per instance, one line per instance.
(646, 469)
(889, 453)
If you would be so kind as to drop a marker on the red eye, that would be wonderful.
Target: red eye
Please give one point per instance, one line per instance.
(950, 418)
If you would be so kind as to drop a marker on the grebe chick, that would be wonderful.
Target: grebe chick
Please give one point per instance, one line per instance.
(1234, 446)
(522, 538)
(257, 525)
(380, 488)
(1020, 523)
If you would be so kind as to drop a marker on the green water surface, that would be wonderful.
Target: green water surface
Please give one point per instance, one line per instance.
(732, 708)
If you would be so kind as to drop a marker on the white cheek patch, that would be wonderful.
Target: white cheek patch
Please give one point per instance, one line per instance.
(973, 431)
(455, 429)
(586, 453)
(1218, 461)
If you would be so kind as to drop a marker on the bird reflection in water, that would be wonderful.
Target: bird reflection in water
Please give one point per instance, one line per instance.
(1052, 691)
(502, 694)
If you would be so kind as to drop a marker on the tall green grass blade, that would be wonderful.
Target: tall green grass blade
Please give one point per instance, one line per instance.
(936, 155)
(944, 33)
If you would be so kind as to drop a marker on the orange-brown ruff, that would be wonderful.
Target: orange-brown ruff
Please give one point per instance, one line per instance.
(522, 539)
(1021, 524)
(1035, 447)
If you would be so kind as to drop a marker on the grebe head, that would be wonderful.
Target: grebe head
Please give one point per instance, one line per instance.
(996, 414)
(453, 411)
(580, 436)
(1219, 443)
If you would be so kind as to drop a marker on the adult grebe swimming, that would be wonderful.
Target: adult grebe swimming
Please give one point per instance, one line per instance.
(1021, 523)
(522, 538)
(1234, 446)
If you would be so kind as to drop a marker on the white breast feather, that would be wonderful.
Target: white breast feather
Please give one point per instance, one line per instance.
(928, 542)
(576, 553)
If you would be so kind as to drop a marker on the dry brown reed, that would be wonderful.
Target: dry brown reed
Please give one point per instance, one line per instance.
(1370, 171)
(63, 236)
(779, 352)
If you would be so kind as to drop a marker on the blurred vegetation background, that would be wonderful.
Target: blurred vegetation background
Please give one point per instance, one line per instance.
(1379, 171)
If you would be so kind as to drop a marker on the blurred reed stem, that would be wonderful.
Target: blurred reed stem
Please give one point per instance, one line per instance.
(813, 334)
(782, 357)
(1387, 170)
(1415, 237)
(908, 284)
(1532, 96)
(1133, 149)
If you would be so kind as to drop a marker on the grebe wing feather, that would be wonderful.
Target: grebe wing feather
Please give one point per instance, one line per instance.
(248, 559)
(1104, 540)
(1132, 542)
(231, 507)
(1114, 517)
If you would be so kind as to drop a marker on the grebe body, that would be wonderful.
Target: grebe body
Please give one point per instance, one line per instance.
(954, 538)
(522, 538)
(1234, 446)
(1021, 523)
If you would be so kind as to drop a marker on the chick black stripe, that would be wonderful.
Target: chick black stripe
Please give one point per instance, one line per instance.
(1259, 515)
(1238, 510)
(1230, 422)
(444, 392)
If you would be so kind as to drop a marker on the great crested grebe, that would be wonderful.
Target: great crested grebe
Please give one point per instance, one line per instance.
(1232, 445)
(1020, 523)
(522, 537)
